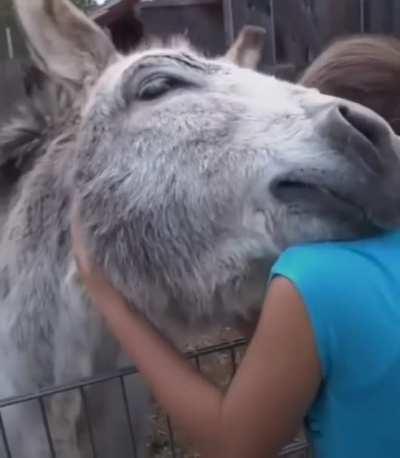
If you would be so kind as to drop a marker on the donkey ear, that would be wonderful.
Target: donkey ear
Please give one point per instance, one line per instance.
(63, 42)
(247, 50)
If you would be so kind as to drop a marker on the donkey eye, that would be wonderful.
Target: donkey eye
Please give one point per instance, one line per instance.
(157, 86)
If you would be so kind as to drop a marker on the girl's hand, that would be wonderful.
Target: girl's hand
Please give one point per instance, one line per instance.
(98, 287)
(271, 391)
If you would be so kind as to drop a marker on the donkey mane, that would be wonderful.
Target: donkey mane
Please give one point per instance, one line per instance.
(49, 110)
(24, 137)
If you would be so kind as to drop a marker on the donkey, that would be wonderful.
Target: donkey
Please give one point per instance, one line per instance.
(48, 114)
(191, 175)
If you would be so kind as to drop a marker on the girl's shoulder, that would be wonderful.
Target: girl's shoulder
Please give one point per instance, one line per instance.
(343, 260)
(346, 287)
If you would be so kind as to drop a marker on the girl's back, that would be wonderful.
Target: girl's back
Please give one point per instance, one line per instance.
(352, 294)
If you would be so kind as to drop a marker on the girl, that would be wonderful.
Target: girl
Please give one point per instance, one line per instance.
(326, 348)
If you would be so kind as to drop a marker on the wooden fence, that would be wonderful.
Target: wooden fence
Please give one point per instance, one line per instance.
(297, 30)
(11, 85)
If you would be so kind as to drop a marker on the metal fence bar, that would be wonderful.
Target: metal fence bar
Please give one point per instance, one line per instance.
(171, 438)
(4, 437)
(232, 352)
(231, 347)
(90, 381)
(197, 362)
(217, 348)
(298, 446)
(47, 427)
(128, 416)
(88, 420)
(362, 16)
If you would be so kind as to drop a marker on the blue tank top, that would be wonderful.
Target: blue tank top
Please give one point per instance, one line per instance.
(352, 294)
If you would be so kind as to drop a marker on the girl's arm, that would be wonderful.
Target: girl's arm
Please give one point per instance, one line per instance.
(267, 399)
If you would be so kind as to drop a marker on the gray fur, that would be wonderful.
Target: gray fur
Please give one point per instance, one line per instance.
(184, 200)
(198, 224)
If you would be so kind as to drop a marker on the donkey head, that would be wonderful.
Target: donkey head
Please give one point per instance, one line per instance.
(192, 174)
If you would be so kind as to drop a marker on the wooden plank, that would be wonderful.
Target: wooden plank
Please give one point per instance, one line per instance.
(228, 22)
(111, 11)
(254, 12)
(362, 16)
(11, 87)
(335, 18)
(273, 34)
(297, 35)
(291, 33)
(240, 12)
(284, 71)
(396, 18)
(303, 28)
(383, 17)
(201, 23)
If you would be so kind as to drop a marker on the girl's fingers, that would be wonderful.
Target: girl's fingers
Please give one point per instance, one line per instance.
(78, 246)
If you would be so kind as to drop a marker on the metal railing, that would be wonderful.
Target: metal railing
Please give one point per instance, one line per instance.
(297, 449)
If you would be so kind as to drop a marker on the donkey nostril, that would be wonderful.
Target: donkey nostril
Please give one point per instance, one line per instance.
(364, 124)
(343, 110)
(366, 134)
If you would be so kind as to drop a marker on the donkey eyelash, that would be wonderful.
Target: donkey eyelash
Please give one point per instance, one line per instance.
(158, 85)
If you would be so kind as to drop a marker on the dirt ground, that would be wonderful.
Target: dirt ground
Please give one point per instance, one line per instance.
(218, 368)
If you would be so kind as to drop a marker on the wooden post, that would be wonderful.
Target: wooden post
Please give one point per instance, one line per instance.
(228, 22)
